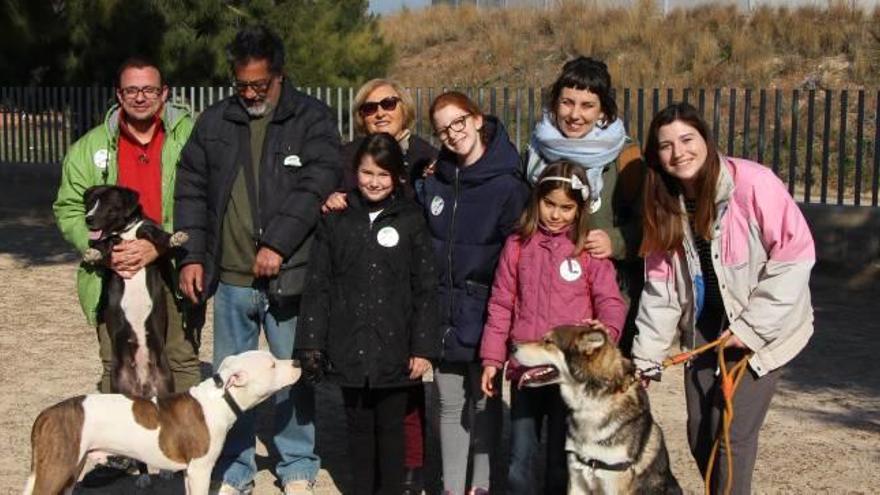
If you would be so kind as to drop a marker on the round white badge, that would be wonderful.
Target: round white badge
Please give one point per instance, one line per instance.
(388, 237)
(437, 205)
(595, 205)
(570, 270)
(100, 158)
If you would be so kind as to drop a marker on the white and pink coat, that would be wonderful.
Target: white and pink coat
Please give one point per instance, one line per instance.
(762, 253)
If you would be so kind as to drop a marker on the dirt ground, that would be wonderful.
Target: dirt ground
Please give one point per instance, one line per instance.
(822, 434)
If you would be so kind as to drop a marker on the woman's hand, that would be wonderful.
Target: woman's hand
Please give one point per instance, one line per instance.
(732, 340)
(598, 244)
(335, 202)
(487, 382)
(418, 367)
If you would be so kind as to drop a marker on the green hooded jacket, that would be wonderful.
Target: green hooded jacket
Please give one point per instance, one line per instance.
(91, 161)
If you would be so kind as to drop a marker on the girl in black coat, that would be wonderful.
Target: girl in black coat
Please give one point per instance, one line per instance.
(369, 309)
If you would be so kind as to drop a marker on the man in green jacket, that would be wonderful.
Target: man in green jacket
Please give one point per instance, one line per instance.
(137, 146)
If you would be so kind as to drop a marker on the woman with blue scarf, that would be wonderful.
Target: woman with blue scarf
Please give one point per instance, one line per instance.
(580, 125)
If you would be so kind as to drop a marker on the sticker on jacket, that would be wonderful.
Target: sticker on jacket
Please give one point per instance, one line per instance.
(595, 205)
(100, 158)
(292, 161)
(437, 205)
(570, 270)
(388, 237)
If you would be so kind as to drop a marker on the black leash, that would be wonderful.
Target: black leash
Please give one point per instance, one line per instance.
(597, 464)
(218, 381)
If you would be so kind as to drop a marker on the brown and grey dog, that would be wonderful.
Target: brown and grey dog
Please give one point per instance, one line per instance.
(134, 309)
(613, 444)
(183, 431)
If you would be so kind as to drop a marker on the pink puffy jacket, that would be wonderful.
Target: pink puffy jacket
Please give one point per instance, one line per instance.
(538, 286)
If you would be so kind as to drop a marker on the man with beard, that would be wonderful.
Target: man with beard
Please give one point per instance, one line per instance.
(137, 146)
(249, 191)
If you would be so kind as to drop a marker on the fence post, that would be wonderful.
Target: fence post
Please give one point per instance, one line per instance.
(808, 160)
(841, 150)
(860, 128)
(875, 187)
(792, 156)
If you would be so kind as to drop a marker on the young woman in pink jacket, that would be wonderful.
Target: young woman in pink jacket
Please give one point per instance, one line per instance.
(545, 278)
(727, 254)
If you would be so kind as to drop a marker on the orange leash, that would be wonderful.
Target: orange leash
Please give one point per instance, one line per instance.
(730, 380)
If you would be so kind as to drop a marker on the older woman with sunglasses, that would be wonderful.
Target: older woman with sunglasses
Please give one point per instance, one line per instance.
(383, 106)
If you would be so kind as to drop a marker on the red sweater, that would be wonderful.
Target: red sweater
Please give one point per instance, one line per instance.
(140, 167)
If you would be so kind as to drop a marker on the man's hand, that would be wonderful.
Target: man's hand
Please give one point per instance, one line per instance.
(598, 244)
(192, 279)
(418, 367)
(267, 263)
(128, 257)
(487, 382)
(335, 202)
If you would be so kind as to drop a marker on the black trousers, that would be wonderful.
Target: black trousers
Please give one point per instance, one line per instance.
(375, 434)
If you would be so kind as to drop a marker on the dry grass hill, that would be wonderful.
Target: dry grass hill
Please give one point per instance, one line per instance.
(835, 47)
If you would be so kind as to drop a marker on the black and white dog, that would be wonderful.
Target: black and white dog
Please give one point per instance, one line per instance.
(134, 309)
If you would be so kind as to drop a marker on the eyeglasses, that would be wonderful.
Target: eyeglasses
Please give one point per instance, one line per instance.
(370, 107)
(259, 86)
(456, 125)
(131, 92)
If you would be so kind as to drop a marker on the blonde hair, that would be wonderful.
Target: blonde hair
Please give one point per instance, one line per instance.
(531, 216)
(406, 102)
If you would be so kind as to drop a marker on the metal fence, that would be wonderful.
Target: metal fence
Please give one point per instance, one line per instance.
(824, 144)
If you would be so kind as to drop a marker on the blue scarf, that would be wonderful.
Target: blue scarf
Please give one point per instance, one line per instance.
(592, 152)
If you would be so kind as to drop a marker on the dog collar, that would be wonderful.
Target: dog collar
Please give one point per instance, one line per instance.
(218, 381)
(597, 464)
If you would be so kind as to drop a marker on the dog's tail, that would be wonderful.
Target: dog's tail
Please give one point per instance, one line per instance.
(55, 447)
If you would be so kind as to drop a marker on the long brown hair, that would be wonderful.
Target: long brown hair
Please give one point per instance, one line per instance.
(531, 216)
(661, 207)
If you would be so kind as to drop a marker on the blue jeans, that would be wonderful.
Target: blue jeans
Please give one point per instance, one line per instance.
(528, 407)
(239, 312)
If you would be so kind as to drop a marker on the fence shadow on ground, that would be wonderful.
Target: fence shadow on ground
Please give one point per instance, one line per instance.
(841, 355)
(33, 240)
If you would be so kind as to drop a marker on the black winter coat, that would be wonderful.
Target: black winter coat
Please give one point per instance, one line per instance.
(370, 299)
(418, 156)
(299, 169)
(471, 211)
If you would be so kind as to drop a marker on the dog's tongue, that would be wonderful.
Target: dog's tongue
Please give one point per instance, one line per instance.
(94, 235)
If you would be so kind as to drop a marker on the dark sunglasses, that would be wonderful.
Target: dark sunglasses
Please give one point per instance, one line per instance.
(370, 107)
(260, 86)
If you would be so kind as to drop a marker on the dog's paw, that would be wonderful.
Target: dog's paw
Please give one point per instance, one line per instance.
(92, 255)
(178, 238)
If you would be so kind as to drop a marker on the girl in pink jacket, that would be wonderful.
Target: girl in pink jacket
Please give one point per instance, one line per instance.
(545, 278)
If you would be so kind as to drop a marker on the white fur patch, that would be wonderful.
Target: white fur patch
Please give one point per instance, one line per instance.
(94, 208)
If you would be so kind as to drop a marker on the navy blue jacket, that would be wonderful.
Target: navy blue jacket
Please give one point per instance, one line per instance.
(471, 211)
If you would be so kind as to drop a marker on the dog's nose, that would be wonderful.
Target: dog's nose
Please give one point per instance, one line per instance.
(295, 362)
(511, 347)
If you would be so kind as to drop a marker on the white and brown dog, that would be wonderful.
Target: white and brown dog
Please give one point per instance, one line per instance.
(613, 444)
(182, 431)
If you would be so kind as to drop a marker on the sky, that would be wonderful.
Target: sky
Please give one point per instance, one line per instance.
(387, 6)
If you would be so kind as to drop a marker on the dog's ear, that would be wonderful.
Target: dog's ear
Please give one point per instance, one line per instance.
(590, 340)
(131, 200)
(91, 193)
(237, 379)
